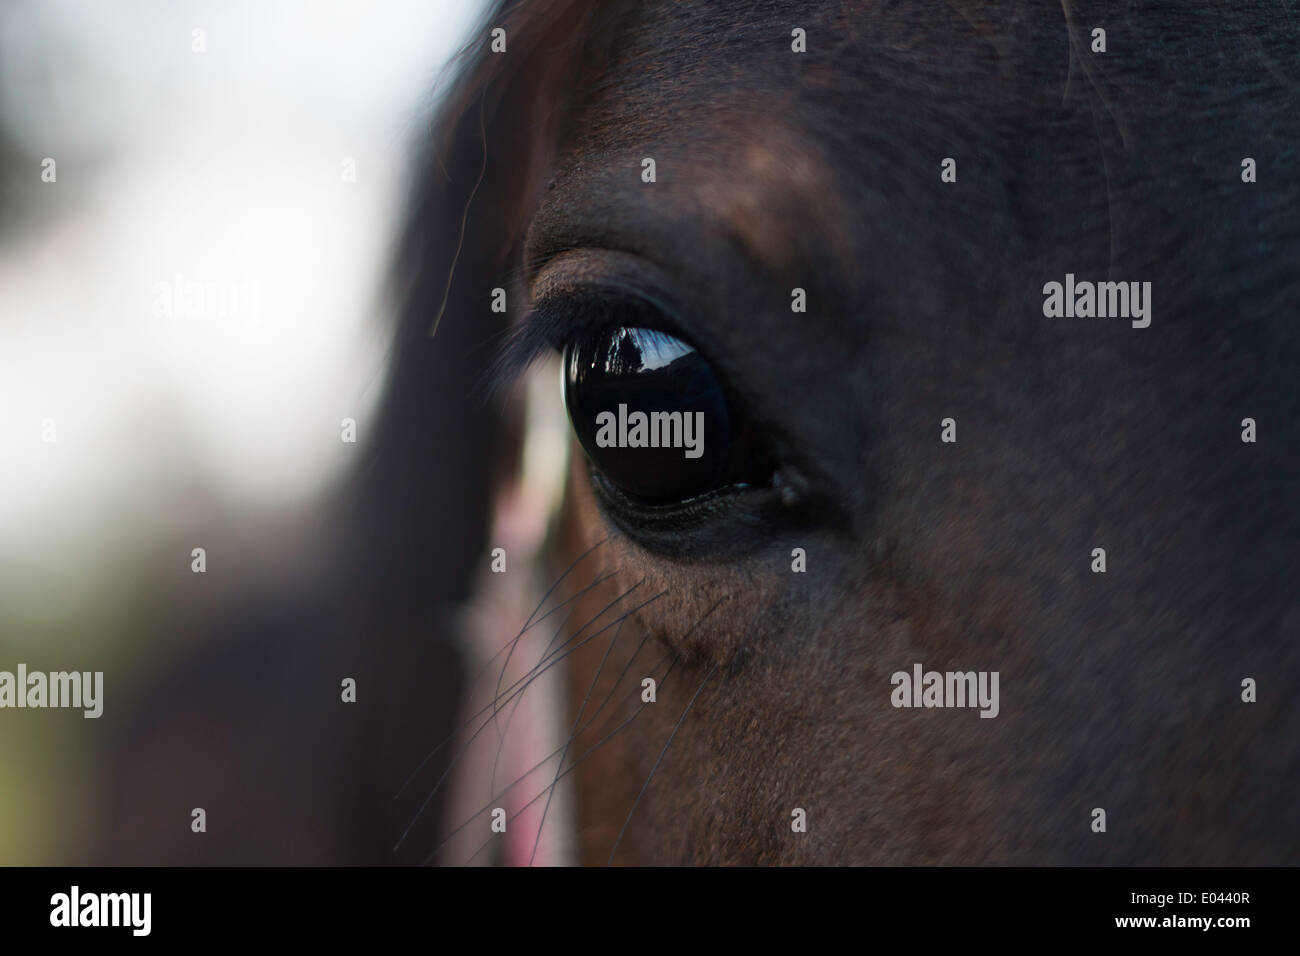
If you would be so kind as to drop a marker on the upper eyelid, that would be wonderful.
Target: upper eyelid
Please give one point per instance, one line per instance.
(611, 278)
(596, 286)
(602, 270)
(605, 304)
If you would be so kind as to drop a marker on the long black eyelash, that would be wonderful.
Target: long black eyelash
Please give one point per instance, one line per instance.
(559, 318)
(525, 344)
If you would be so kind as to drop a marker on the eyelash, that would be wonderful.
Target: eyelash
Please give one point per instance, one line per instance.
(563, 318)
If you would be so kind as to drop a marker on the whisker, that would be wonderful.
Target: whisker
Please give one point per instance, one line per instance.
(626, 667)
(501, 731)
(483, 670)
(516, 699)
(561, 628)
(576, 720)
(565, 573)
(563, 773)
(645, 786)
(572, 767)
(613, 688)
(527, 679)
(547, 759)
(533, 623)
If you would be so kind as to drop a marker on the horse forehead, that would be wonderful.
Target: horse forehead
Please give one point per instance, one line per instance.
(770, 183)
(759, 136)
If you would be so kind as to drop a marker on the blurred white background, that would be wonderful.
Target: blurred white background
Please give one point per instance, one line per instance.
(219, 171)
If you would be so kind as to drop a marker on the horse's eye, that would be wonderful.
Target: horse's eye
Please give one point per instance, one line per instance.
(654, 418)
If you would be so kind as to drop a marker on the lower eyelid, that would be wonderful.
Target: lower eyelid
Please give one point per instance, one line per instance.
(719, 525)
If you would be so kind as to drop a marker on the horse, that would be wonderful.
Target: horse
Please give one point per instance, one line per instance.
(960, 576)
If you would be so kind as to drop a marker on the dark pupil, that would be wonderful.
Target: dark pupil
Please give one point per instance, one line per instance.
(647, 372)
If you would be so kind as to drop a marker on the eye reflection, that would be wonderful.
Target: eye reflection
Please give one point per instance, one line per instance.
(641, 350)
